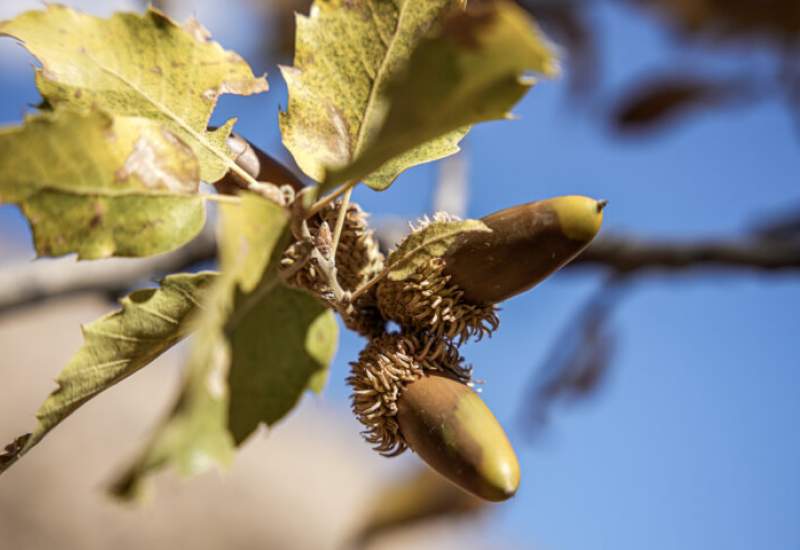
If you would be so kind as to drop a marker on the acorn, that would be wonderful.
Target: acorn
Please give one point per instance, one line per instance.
(454, 296)
(527, 244)
(411, 391)
(449, 427)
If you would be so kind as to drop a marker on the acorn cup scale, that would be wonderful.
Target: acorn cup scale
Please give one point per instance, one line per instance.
(528, 243)
(450, 428)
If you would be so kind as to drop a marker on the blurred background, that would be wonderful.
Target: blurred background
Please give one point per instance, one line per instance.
(650, 389)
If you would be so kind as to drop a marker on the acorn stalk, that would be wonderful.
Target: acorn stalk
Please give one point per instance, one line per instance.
(358, 259)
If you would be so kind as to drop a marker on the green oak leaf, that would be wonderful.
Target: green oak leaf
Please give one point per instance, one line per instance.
(473, 71)
(432, 240)
(100, 185)
(278, 350)
(138, 65)
(347, 53)
(116, 346)
(259, 346)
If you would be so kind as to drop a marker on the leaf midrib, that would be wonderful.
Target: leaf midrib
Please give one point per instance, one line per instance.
(452, 233)
(375, 82)
(170, 114)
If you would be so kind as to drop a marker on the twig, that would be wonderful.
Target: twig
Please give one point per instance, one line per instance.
(337, 232)
(626, 254)
(328, 269)
(26, 283)
(317, 207)
(30, 282)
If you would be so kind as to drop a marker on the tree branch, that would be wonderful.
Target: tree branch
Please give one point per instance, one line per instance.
(626, 254)
(25, 283)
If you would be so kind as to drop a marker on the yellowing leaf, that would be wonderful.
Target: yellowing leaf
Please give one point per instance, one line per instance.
(347, 52)
(471, 72)
(116, 346)
(95, 226)
(101, 186)
(138, 65)
(259, 346)
(430, 241)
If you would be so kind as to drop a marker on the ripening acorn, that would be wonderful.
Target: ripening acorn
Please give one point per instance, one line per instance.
(528, 243)
(454, 296)
(410, 391)
(449, 426)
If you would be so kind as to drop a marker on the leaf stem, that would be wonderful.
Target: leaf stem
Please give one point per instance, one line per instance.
(337, 232)
(252, 184)
(221, 198)
(317, 207)
(369, 284)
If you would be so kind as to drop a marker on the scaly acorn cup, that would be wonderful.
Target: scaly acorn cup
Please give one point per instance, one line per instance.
(411, 391)
(385, 366)
(453, 296)
(358, 259)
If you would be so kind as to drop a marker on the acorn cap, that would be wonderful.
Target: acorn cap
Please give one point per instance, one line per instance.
(428, 302)
(527, 243)
(449, 427)
(385, 367)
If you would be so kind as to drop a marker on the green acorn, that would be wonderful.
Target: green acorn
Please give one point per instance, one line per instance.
(454, 296)
(449, 426)
(411, 391)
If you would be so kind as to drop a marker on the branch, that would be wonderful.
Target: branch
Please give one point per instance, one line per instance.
(26, 283)
(626, 254)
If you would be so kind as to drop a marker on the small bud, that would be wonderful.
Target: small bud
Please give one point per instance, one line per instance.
(257, 164)
(528, 243)
(358, 259)
(447, 425)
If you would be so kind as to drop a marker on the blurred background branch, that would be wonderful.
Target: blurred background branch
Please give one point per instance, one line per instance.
(773, 247)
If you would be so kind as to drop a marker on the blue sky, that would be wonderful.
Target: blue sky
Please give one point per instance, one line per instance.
(692, 442)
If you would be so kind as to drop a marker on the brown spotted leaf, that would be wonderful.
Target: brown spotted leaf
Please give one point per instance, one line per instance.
(138, 65)
(101, 186)
(346, 54)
